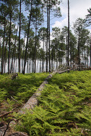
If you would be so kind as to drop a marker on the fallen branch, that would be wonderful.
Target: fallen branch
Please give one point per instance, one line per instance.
(16, 100)
(18, 134)
(5, 114)
(67, 70)
(6, 128)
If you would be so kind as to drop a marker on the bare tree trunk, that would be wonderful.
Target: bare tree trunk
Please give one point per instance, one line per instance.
(49, 37)
(48, 31)
(3, 48)
(46, 56)
(87, 56)
(19, 50)
(35, 48)
(9, 46)
(68, 35)
(14, 50)
(27, 39)
(47, 45)
(79, 52)
(43, 58)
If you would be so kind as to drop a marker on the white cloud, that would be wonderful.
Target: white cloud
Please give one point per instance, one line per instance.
(78, 8)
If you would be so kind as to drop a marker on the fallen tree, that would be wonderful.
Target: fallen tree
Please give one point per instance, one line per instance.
(33, 101)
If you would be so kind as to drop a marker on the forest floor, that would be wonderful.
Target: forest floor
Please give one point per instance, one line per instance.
(64, 107)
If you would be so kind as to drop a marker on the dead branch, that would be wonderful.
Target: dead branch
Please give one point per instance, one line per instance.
(6, 128)
(67, 70)
(16, 100)
(18, 134)
(5, 114)
(14, 76)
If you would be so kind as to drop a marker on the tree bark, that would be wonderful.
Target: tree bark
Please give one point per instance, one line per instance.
(19, 50)
(68, 36)
(49, 38)
(9, 46)
(27, 39)
(35, 47)
(79, 53)
(3, 48)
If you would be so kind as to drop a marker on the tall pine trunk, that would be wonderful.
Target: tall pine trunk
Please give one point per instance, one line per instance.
(9, 46)
(35, 47)
(68, 35)
(3, 48)
(49, 38)
(79, 52)
(27, 39)
(90, 52)
(19, 50)
(5, 57)
(48, 32)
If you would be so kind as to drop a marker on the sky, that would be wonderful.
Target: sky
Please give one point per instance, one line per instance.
(78, 8)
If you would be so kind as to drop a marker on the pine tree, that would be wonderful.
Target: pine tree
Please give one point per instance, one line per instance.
(11, 10)
(88, 23)
(82, 33)
(19, 50)
(43, 36)
(3, 14)
(50, 7)
(28, 31)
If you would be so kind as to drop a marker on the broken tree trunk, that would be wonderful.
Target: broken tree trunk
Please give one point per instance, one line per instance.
(60, 72)
(33, 101)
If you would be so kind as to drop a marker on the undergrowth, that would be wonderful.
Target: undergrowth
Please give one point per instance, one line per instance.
(13, 93)
(64, 107)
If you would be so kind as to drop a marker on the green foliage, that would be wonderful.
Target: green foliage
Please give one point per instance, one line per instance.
(64, 107)
(3, 94)
(21, 88)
